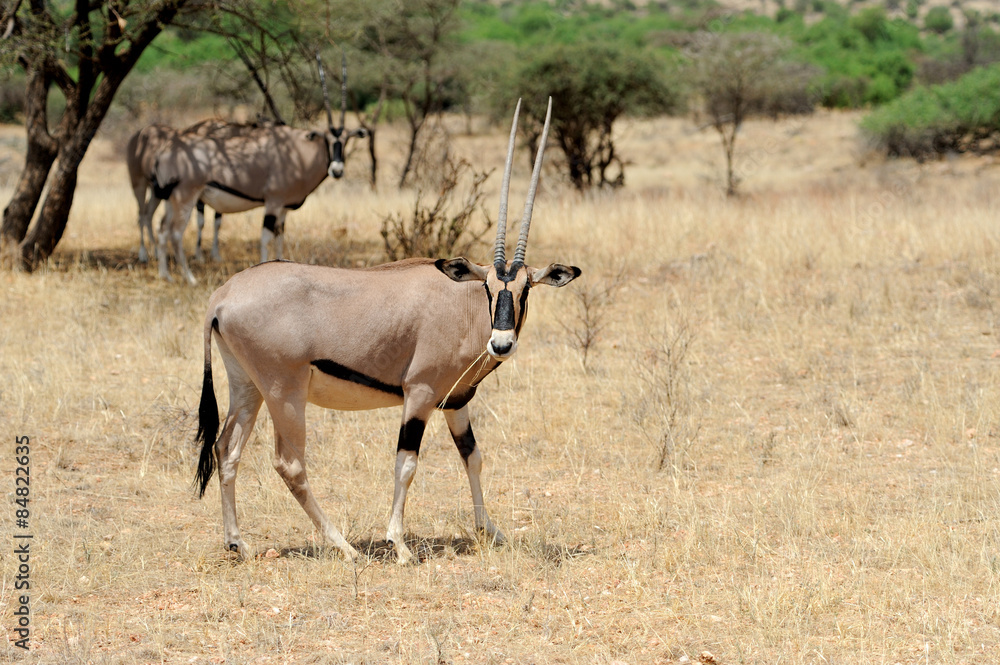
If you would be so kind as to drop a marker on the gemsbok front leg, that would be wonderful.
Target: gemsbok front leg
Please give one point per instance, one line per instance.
(461, 431)
(417, 408)
(288, 412)
(273, 229)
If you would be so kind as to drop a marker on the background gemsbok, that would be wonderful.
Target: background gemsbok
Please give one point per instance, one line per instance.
(417, 333)
(276, 167)
(140, 156)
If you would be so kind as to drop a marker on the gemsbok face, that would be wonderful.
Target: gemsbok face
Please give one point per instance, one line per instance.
(417, 333)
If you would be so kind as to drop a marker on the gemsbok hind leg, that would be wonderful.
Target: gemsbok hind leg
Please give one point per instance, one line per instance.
(461, 431)
(244, 405)
(147, 206)
(289, 415)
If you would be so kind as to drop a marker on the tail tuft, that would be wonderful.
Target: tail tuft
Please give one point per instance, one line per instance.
(163, 192)
(208, 431)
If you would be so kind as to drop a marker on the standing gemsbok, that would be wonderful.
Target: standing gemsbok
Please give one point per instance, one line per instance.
(276, 167)
(140, 156)
(417, 333)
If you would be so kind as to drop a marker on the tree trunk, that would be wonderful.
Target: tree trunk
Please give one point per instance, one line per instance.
(41, 153)
(48, 229)
(371, 154)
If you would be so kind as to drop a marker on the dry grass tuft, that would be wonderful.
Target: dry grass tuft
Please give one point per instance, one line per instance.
(814, 367)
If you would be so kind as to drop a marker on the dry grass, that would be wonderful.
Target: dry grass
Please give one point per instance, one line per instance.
(833, 498)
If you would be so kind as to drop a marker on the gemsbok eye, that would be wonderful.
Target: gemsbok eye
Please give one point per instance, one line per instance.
(292, 334)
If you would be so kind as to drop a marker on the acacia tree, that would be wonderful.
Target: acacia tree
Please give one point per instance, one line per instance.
(85, 50)
(739, 75)
(413, 48)
(592, 86)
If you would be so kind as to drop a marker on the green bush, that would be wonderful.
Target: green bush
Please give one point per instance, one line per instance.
(939, 20)
(958, 116)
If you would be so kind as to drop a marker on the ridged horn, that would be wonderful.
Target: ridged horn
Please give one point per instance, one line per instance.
(326, 93)
(343, 88)
(522, 239)
(500, 249)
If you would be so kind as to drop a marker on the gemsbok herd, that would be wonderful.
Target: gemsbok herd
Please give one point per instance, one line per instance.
(233, 168)
(417, 333)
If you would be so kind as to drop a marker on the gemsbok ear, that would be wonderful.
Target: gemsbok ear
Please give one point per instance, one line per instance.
(555, 274)
(462, 269)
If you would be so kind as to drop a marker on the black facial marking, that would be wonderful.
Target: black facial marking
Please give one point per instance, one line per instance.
(522, 308)
(465, 442)
(338, 151)
(234, 192)
(503, 316)
(338, 371)
(269, 222)
(410, 434)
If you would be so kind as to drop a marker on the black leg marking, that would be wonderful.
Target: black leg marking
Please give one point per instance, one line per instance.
(201, 207)
(269, 222)
(465, 442)
(410, 434)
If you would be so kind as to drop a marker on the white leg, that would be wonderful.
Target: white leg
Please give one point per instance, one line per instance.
(265, 239)
(461, 431)
(161, 244)
(406, 468)
(177, 235)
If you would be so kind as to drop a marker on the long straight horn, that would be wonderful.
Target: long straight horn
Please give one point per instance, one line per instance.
(343, 87)
(500, 249)
(522, 239)
(326, 93)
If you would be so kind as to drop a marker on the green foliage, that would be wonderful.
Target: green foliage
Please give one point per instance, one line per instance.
(957, 116)
(591, 85)
(939, 20)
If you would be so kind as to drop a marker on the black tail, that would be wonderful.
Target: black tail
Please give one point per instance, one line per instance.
(208, 430)
(163, 192)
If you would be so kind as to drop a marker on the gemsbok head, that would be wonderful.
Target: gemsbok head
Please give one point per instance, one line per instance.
(417, 333)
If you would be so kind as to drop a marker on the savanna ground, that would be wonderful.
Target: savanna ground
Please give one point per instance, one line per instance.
(814, 366)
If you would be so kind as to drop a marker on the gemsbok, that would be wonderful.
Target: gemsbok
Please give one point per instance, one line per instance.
(418, 333)
(276, 167)
(140, 157)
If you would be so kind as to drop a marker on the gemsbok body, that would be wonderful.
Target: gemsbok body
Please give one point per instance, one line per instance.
(140, 156)
(418, 333)
(276, 167)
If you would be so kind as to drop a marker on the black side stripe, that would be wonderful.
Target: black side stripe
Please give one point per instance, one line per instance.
(338, 371)
(229, 190)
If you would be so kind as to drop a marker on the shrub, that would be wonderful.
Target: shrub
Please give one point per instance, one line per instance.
(939, 20)
(592, 85)
(963, 115)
